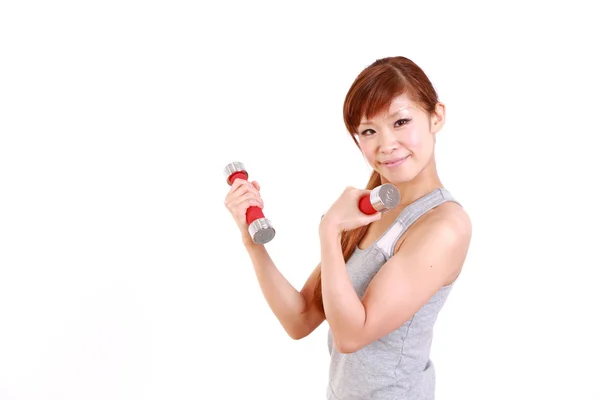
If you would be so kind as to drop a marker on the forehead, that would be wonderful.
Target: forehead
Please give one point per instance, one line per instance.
(399, 103)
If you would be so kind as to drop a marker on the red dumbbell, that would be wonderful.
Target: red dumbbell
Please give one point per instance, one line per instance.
(381, 199)
(259, 227)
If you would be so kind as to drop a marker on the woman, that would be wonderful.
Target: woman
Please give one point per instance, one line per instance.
(383, 278)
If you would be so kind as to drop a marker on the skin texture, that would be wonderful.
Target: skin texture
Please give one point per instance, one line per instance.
(430, 254)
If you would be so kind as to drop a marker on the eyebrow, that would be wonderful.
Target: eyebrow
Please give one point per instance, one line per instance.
(392, 116)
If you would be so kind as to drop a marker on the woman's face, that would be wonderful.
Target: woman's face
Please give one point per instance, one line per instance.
(399, 143)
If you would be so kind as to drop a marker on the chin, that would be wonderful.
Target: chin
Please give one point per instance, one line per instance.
(402, 174)
(398, 177)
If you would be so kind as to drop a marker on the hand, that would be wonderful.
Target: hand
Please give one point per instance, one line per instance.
(240, 197)
(344, 214)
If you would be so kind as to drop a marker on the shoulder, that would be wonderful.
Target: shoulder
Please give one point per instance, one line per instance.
(447, 223)
(442, 237)
(449, 218)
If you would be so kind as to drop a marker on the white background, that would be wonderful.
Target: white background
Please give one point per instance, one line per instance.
(121, 273)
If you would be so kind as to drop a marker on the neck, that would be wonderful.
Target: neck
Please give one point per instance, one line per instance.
(425, 182)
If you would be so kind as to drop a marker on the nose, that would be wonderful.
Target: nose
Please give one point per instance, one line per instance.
(387, 141)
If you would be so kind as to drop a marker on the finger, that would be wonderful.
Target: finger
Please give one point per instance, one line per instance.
(238, 201)
(359, 194)
(234, 194)
(374, 217)
(241, 209)
(250, 196)
(240, 189)
(233, 201)
(256, 185)
(367, 219)
(237, 183)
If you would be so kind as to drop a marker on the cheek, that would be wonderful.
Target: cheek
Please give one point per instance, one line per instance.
(370, 157)
(369, 152)
(413, 140)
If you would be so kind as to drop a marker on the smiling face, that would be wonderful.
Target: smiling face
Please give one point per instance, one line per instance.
(399, 143)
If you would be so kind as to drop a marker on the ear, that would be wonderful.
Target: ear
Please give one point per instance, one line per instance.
(438, 118)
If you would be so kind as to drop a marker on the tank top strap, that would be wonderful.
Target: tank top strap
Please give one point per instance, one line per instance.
(408, 216)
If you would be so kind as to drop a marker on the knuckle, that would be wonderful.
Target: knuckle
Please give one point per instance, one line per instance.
(241, 182)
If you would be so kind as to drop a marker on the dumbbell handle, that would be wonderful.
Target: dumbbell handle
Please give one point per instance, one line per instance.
(365, 205)
(253, 212)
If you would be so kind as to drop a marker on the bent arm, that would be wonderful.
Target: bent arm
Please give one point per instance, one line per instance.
(427, 259)
(294, 309)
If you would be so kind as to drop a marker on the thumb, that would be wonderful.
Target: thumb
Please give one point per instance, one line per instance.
(363, 192)
(256, 185)
(374, 217)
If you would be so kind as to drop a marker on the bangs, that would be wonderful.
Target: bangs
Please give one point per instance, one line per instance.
(371, 94)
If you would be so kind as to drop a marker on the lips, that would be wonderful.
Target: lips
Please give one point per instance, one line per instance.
(394, 161)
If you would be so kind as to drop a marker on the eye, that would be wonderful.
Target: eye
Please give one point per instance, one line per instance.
(401, 122)
(366, 132)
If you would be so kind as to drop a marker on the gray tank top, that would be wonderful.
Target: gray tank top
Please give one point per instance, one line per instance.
(397, 366)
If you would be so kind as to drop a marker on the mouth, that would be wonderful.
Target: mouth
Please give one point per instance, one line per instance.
(394, 162)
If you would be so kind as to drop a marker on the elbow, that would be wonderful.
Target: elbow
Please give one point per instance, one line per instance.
(296, 333)
(347, 346)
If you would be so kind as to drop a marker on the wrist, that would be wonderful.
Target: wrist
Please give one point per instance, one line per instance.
(247, 240)
(327, 231)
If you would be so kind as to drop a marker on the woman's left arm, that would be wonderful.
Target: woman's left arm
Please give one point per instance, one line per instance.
(433, 253)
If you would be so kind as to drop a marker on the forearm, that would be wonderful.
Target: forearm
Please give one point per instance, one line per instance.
(344, 309)
(287, 303)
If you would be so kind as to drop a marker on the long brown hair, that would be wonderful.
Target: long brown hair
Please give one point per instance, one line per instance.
(371, 93)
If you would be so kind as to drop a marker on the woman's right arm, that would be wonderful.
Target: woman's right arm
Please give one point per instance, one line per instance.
(294, 309)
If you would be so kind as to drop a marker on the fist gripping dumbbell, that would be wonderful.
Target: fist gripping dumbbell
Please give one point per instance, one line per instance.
(381, 199)
(259, 227)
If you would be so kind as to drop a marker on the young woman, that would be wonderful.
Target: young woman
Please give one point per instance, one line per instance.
(383, 278)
